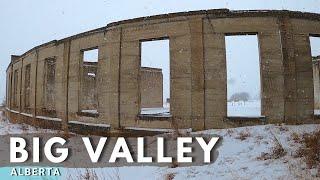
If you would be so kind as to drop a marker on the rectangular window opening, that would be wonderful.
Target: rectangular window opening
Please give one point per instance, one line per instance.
(315, 53)
(27, 86)
(49, 87)
(15, 88)
(243, 76)
(155, 78)
(89, 96)
(90, 55)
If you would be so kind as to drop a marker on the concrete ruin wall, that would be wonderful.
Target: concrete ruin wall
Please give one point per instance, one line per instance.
(198, 69)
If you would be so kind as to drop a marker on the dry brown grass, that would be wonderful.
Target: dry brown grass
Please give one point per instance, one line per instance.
(89, 175)
(277, 152)
(174, 163)
(296, 138)
(310, 149)
(170, 176)
(175, 127)
(24, 127)
(243, 135)
(230, 132)
(283, 128)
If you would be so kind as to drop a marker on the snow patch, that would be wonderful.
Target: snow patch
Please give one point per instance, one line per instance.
(17, 112)
(92, 74)
(90, 124)
(48, 118)
(158, 130)
(9, 128)
(161, 111)
(25, 114)
(91, 111)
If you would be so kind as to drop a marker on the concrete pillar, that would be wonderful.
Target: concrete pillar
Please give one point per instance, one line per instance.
(21, 85)
(181, 81)
(197, 69)
(304, 78)
(34, 113)
(63, 113)
(215, 77)
(108, 78)
(290, 85)
(272, 78)
(129, 84)
(299, 102)
(74, 79)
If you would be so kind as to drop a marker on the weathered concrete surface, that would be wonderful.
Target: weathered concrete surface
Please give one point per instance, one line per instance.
(198, 95)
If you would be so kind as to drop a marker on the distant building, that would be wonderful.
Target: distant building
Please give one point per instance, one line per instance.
(151, 87)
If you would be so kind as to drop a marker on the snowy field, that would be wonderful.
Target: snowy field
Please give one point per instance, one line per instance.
(247, 109)
(239, 156)
(250, 108)
(244, 109)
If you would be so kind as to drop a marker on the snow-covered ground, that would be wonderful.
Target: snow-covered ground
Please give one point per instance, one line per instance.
(247, 109)
(155, 111)
(239, 156)
(160, 111)
(251, 108)
(244, 109)
(8, 128)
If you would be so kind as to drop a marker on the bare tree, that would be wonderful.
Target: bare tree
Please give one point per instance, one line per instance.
(242, 96)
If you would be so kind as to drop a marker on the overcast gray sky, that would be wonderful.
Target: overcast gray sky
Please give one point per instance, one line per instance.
(28, 23)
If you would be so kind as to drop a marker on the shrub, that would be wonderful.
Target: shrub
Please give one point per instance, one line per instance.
(89, 175)
(242, 96)
(170, 176)
(310, 149)
(243, 135)
(277, 152)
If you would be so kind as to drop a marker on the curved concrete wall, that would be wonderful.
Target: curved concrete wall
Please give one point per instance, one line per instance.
(198, 69)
